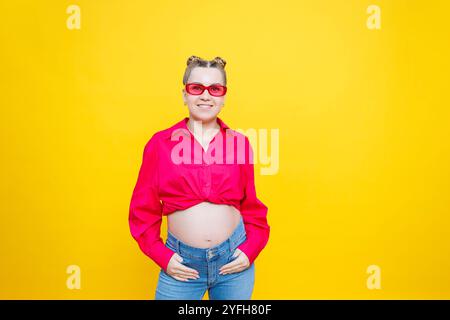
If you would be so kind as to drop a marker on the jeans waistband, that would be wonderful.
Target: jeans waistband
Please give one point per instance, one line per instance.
(237, 237)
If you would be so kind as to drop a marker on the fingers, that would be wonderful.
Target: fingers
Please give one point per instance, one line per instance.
(233, 266)
(237, 252)
(189, 272)
(233, 270)
(183, 273)
(183, 278)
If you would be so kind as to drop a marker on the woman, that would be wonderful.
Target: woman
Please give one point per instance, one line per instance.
(200, 174)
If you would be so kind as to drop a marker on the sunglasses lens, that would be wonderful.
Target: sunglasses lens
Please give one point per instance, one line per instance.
(217, 90)
(214, 90)
(194, 89)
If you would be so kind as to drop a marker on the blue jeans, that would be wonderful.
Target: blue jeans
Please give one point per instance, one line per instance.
(207, 261)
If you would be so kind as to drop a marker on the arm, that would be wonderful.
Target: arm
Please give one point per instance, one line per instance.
(254, 213)
(145, 214)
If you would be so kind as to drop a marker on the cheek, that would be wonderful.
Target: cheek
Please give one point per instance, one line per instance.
(191, 104)
(191, 100)
(219, 101)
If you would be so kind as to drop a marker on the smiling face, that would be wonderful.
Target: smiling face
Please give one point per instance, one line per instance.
(204, 107)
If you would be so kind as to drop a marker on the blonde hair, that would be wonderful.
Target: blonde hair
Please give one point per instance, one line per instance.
(194, 61)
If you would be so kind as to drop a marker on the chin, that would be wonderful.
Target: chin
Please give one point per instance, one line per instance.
(204, 116)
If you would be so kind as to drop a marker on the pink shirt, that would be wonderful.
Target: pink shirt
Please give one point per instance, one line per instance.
(177, 173)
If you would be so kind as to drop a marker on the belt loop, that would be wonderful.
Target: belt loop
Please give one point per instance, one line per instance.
(230, 243)
(178, 247)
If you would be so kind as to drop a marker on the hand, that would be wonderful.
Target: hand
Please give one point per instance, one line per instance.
(239, 264)
(179, 271)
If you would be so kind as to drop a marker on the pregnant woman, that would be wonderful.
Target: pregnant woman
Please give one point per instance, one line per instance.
(200, 174)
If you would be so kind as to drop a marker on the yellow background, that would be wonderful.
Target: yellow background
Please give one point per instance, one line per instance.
(363, 117)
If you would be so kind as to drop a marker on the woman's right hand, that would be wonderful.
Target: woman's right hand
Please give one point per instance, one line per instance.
(179, 271)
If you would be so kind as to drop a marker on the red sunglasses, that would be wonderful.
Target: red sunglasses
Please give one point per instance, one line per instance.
(215, 90)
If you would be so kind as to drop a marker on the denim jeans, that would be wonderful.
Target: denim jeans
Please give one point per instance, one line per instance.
(207, 261)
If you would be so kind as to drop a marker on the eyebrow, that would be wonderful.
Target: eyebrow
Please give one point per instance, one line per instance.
(206, 85)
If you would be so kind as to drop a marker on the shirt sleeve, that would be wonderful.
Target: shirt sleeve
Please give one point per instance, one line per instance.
(254, 213)
(145, 212)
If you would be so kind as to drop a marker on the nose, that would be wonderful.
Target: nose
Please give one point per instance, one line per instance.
(205, 95)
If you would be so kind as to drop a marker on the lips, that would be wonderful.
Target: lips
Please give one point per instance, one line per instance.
(204, 106)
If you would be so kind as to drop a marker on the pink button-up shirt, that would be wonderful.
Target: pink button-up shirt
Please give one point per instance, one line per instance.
(177, 173)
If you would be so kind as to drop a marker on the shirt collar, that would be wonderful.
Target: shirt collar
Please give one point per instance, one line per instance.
(183, 125)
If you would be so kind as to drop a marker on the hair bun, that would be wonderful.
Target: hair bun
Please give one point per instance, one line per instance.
(192, 59)
(220, 61)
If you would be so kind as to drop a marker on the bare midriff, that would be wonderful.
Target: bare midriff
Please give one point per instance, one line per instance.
(204, 225)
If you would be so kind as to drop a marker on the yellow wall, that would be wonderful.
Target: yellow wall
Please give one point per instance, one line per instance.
(363, 118)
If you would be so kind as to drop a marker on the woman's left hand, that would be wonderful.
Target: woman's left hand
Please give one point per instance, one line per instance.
(239, 264)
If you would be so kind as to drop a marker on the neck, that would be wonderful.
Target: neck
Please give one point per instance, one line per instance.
(203, 128)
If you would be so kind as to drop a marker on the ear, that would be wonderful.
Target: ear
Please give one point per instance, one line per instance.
(184, 96)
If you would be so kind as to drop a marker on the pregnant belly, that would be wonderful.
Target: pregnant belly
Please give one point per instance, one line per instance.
(204, 225)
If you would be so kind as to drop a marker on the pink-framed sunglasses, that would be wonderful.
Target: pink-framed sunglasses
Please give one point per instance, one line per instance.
(215, 90)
